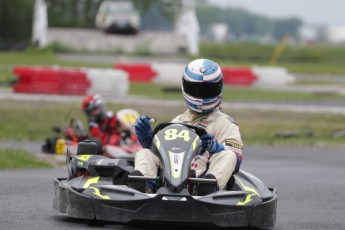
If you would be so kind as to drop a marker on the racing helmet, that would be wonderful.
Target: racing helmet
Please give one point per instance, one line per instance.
(202, 85)
(94, 108)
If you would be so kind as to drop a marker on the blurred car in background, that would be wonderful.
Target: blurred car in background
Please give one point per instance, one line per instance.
(118, 17)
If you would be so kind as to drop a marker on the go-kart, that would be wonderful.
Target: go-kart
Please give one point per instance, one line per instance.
(68, 137)
(127, 146)
(65, 136)
(99, 188)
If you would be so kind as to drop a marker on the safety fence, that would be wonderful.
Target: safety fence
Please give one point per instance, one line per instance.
(235, 76)
(68, 81)
(115, 82)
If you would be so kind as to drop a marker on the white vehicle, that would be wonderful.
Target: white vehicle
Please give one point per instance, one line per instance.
(118, 17)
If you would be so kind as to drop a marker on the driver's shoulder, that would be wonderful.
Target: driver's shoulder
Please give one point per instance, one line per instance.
(181, 118)
(177, 119)
(224, 119)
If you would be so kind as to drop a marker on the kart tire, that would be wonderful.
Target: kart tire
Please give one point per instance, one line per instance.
(50, 144)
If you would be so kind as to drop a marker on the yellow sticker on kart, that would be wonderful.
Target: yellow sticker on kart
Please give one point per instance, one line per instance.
(60, 147)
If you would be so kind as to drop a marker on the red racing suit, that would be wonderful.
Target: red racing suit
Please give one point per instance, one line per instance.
(107, 131)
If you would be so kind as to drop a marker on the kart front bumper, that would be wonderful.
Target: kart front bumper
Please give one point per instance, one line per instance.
(132, 206)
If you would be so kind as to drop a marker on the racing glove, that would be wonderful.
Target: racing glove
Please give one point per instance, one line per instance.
(209, 143)
(143, 131)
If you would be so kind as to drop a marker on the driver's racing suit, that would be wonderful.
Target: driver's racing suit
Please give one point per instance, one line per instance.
(107, 130)
(222, 165)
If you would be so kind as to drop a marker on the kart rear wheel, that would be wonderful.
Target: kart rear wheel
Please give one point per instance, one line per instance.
(50, 145)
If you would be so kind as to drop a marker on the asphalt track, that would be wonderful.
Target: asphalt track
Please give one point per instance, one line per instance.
(310, 183)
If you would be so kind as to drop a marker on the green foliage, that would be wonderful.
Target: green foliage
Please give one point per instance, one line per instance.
(16, 20)
(237, 51)
(288, 26)
(13, 159)
(50, 49)
(155, 16)
(171, 8)
(82, 13)
(262, 53)
(142, 50)
(159, 14)
(57, 47)
(72, 13)
(241, 21)
(143, 6)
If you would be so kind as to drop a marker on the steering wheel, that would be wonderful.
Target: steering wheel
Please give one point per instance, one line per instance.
(198, 130)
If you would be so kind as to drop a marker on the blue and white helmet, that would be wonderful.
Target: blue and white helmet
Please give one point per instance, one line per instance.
(202, 85)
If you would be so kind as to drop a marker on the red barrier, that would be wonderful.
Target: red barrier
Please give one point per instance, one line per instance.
(238, 76)
(37, 80)
(50, 81)
(137, 72)
(75, 82)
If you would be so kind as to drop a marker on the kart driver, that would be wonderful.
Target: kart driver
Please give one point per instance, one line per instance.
(202, 85)
(102, 125)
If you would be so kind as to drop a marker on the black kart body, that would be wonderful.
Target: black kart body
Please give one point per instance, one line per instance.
(69, 135)
(98, 188)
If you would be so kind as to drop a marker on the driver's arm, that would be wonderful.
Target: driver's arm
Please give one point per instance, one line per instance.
(228, 134)
(94, 129)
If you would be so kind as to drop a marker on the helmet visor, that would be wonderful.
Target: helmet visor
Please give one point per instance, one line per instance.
(202, 89)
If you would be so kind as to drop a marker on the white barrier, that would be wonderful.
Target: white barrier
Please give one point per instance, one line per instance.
(267, 76)
(168, 72)
(107, 82)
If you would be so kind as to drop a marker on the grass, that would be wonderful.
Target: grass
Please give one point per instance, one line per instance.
(234, 94)
(314, 83)
(14, 159)
(316, 59)
(315, 68)
(260, 127)
(33, 121)
(316, 53)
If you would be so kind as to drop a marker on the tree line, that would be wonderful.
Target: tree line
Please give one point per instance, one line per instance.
(16, 17)
(241, 21)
